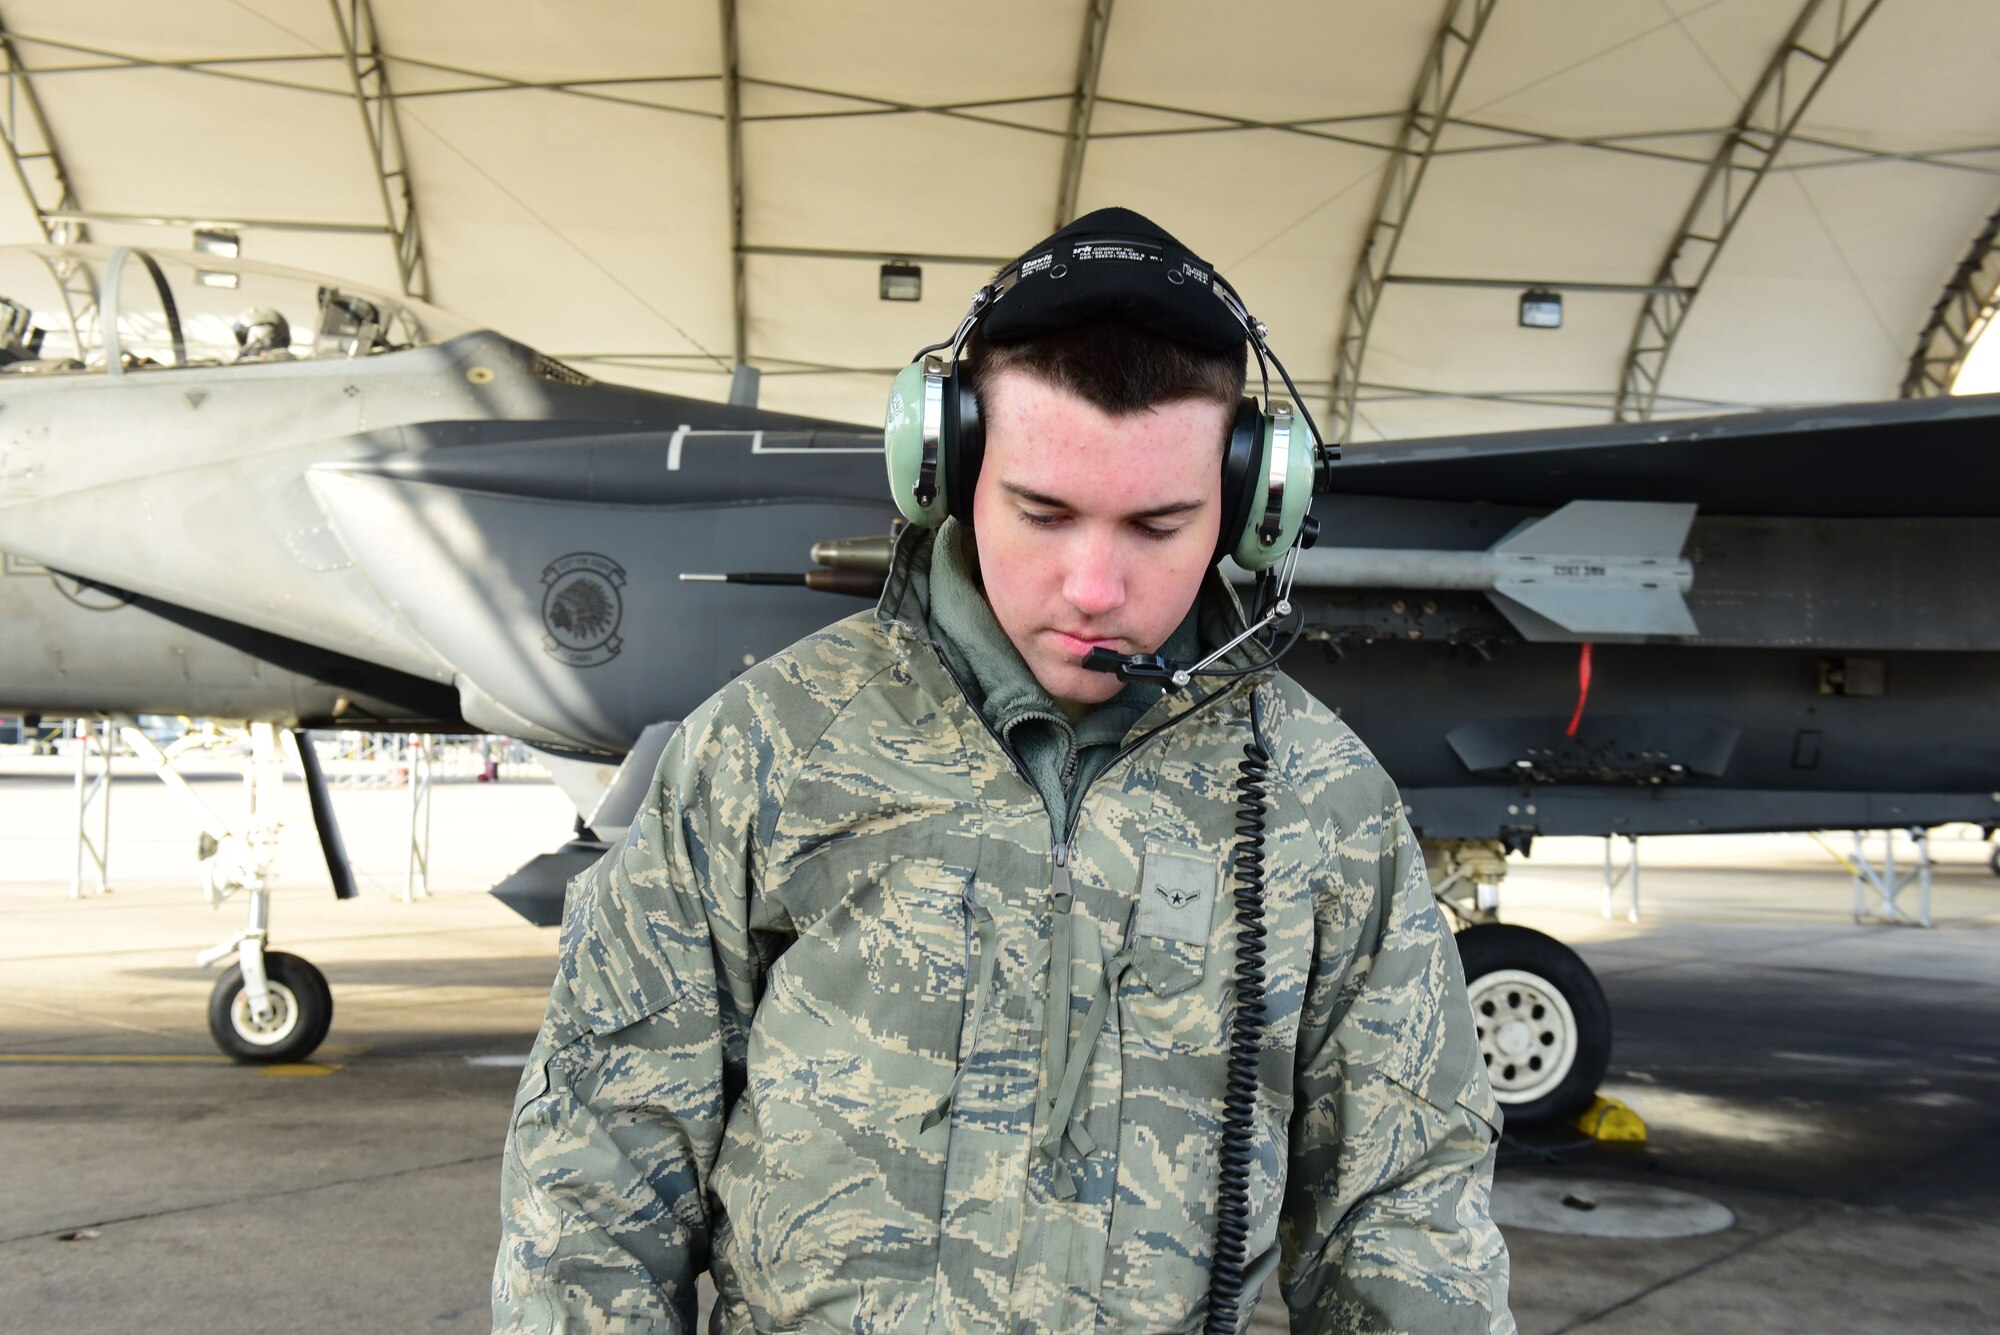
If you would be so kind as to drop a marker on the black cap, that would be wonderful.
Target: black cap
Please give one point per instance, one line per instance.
(1113, 262)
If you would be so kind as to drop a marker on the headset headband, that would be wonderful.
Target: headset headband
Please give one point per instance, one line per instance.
(1042, 262)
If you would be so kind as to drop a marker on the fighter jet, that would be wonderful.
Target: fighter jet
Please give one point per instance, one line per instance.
(177, 433)
(1761, 622)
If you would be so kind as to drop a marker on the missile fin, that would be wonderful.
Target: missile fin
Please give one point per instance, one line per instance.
(1543, 612)
(1605, 528)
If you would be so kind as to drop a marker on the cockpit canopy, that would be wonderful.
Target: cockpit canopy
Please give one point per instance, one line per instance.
(92, 309)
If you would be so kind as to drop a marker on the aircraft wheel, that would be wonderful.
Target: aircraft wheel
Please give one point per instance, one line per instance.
(302, 1006)
(1993, 860)
(1544, 1027)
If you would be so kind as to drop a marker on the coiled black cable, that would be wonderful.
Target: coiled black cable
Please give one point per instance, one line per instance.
(1246, 1033)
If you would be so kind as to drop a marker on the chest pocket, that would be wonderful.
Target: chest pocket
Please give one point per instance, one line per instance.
(1175, 916)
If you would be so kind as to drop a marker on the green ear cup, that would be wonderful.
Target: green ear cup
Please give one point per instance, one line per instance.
(916, 412)
(1287, 432)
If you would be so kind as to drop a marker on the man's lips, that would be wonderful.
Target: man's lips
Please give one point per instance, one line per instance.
(1080, 644)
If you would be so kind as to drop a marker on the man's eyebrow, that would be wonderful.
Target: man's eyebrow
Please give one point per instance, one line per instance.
(1034, 497)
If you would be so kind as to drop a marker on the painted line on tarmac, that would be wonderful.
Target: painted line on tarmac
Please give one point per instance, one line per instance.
(507, 1060)
(109, 1059)
(158, 1059)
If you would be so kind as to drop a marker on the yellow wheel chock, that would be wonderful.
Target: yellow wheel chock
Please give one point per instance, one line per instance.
(1610, 1120)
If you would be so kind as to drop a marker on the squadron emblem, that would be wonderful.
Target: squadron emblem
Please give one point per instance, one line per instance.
(581, 608)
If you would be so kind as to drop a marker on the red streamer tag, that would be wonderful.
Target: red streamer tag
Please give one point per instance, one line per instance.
(1582, 688)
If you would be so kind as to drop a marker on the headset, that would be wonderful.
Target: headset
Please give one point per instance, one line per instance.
(1275, 461)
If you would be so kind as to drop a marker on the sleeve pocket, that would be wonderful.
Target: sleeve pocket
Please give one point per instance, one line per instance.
(615, 956)
(1479, 1104)
(534, 1084)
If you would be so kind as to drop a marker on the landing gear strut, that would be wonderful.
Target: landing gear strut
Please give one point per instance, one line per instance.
(269, 1006)
(1544, 1027)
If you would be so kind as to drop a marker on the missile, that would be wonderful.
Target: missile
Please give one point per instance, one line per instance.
(857, 583)
(854, 566)
(1593, 569)
(869, 554)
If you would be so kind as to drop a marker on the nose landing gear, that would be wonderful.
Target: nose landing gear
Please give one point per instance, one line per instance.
(293, 1019)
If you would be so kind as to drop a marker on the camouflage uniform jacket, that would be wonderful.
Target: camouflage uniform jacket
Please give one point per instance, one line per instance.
(834, 1024)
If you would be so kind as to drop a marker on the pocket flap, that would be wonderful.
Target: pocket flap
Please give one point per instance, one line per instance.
(1168, 967)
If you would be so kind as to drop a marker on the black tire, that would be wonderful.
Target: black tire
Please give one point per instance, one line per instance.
(304, 1006)
(1522, 1086)
(1993, 860)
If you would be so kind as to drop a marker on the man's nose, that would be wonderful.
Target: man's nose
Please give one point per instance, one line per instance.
(1095, 583)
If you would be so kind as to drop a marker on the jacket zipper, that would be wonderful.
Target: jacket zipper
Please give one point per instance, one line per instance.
(1069, 832)
(1059, 878)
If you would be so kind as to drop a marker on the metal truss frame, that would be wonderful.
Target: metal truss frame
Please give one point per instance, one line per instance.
(234, 68)
(94, 747)
(1852, 154)
(231, 68)
(216, 67)
(1594, 401)
(1637, 143)
(732, 121)
(1429, 113)
(1818, 38)
(867, 105)
(1217, 122)
(878, 256)
(1083, 107)
(587, 89)
(368, 72)
(417, 867)
(236, 222)
(1524, 284)
(1959, 317)
(32, 150)
(1625, 875)
(45, 184)
(1879, 883)
(1644, 144)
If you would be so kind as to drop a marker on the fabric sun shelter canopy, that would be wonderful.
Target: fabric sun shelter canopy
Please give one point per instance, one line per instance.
(1740, 203)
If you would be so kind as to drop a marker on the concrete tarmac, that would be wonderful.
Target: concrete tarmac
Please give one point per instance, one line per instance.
(1836, 1087)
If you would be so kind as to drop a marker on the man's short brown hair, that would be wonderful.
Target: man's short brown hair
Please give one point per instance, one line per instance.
(1111, 365)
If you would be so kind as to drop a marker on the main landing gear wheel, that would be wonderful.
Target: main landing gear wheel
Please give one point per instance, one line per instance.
(1544, 1027)
(301, 1012)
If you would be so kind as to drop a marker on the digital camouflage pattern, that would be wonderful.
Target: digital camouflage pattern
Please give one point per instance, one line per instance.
(802, 1030)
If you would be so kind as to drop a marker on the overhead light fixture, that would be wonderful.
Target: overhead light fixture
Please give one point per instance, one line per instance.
(1541, 309)
(902, 282)
(219, 242)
